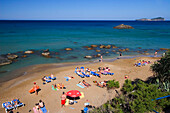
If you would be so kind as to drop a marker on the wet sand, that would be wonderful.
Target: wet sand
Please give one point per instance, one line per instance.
(19, 87)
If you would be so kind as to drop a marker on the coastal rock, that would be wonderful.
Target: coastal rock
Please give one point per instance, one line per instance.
(98, 55)
(102, 46)
(89, 57)
(28, 52)
(108, 47)
(24, 56)
(98, 50)
(47, 50)
(11, 56)
(89, 48)
(122, 26)
(94, 46)
(68, 49)
(4, 61)
(164, 49)
(127, 49)
(85, 46)
(114, 47)
(46, 54)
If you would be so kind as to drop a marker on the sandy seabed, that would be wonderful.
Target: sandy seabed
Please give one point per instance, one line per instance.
(19, 87)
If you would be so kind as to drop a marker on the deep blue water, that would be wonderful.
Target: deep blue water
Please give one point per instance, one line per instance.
(56, 35)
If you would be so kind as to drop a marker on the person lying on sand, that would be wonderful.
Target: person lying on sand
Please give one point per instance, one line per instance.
(85, 83)
(102, 84)
(81, 84)
(71, 77)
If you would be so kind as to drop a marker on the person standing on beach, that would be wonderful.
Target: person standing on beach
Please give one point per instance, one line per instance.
(101, 58)
(63, 99)
(155, 53)
(36, 88)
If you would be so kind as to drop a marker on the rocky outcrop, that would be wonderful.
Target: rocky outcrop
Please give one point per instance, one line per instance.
(28, 52)
(89, 48)
(164, 49)
(4, 61)
(88, 57)
(122, 26)
(98, 50)
(11, 56)
(46, 54)
(68, 49)
(94, 46)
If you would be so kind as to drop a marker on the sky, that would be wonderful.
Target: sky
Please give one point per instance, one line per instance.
(83, 9)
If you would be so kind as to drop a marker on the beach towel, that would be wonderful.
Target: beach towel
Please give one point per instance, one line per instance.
(53, 88)
(80, 85)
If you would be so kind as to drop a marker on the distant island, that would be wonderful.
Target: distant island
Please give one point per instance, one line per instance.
(153, 19)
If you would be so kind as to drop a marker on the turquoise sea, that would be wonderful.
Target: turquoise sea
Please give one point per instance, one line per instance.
(16, 36)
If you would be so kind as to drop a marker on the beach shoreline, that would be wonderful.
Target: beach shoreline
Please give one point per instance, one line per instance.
(18, 87)
(23, 71)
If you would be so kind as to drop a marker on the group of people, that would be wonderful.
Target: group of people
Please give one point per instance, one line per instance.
(58, 86)
(40, 107)
(102, 84)
(142, 63)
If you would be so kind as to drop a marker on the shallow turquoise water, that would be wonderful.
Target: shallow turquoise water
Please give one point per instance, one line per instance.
(56, 35)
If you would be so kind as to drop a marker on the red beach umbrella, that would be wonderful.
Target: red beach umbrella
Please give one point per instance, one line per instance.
(73, 93)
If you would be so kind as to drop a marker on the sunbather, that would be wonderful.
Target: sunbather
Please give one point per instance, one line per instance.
(81, 84)
(85, 83)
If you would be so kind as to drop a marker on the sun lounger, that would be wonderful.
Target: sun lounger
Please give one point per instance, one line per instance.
(139, 64)
(94, 73)
(19, 104)
(82, 76)
(85, 74)
(54, 78)
(80, 85)
(5, 105)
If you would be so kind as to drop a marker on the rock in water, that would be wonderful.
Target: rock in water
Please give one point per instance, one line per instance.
(4, 61)
(28, 52)
(11, 57)
(46, 54)
(68, 49)
(89, 57)
(122, 26)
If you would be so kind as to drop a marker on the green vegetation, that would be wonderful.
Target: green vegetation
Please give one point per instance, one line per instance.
(112, 84)
(161, 71)
(138, 99)
(137, 95)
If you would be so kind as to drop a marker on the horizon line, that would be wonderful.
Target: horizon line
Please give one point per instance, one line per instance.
(66, 20)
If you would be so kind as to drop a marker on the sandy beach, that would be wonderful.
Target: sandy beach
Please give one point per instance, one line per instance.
(19, 87)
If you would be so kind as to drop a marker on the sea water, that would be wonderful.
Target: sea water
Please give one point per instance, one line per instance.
(18, 36)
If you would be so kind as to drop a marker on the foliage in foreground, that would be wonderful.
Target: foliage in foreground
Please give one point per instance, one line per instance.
(111, 84)
(136, 98)
(161, 70)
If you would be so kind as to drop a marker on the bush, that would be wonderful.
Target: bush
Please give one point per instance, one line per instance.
(113, 84)
(161, 70)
